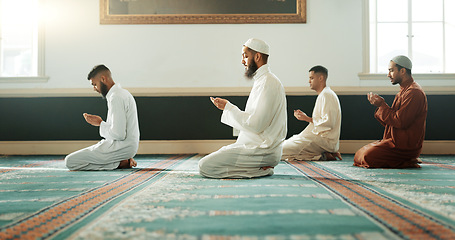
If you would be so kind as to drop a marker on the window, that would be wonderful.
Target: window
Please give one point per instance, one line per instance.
(420, 29)
(20, 39)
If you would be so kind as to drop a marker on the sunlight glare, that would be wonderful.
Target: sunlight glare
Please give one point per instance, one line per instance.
(19, 31)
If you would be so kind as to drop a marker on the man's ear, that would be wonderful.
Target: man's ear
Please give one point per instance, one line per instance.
(257, 57)
(103, 79)
(403, 70)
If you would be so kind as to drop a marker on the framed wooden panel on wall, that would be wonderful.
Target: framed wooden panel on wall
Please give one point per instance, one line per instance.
(202, 11)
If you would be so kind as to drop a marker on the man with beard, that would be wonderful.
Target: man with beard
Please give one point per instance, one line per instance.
(404, 122)
(320, 140)
(120, 131)
(262, 125)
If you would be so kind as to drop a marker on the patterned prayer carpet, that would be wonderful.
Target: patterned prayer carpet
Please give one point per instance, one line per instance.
(166, 198)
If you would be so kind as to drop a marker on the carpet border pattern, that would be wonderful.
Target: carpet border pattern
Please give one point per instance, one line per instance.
(55, 218)
(397, 217)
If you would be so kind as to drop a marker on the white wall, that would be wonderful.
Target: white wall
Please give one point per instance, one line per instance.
(197, 55)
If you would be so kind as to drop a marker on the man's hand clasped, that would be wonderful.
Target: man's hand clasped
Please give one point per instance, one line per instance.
(375, 99)
(220, 103)
(93, 119)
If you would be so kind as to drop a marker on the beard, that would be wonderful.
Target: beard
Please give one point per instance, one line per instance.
(103, 90)
(251, 70)
(396, 81)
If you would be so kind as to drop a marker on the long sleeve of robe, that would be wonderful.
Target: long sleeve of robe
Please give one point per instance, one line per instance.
(120, 132)
(322, 135)
(263, 124)
(404, 132)
(263, 128)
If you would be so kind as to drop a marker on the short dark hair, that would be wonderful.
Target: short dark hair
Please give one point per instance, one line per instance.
(399, 67)
(97, 69)
(264, 56)
(320, 69)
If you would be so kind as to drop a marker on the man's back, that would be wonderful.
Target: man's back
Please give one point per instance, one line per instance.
(327, 115)
(122, 116)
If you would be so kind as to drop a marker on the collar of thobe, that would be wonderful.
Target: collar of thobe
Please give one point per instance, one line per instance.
(406, 87)
(112, 90)
(326, 88)
(261, 71)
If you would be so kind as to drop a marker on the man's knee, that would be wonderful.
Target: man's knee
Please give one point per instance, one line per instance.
(288, 147)
(204, 167)
(286, 152)
(69, 162)
(208, 167)
(370, 156)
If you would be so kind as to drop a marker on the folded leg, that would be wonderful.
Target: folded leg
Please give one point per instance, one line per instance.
(238, 163)
(299, 148)
(101, 156)
(380, 155)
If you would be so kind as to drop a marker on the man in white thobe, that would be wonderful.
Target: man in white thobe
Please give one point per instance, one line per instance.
(320, 139)
(263, 124)
(120, 131)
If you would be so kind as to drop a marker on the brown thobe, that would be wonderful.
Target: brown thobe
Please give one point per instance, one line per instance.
(404, 132)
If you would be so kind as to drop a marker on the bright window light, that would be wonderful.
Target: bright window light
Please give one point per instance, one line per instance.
(19, 38)
(420, 29)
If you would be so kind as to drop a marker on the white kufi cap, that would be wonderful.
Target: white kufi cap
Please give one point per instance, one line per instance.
(403, 61)
(257, 45)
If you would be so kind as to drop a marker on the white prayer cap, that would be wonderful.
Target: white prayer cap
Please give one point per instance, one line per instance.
(403, 61)
(257, 45)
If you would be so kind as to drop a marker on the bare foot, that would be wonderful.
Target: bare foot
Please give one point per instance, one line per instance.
(333, 156)
(133, 163)
(128, 163)
(266, 167)
(337, 155)
(329, 156)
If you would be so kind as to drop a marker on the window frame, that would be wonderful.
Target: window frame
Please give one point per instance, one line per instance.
(367, 75)
(41, 77)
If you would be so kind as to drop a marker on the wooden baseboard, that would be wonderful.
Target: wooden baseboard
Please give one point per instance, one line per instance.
(181, 147)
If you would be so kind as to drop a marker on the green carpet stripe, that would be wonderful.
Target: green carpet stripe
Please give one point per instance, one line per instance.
(50, 220)
(400, 219)
(441, 165)
(31, 165)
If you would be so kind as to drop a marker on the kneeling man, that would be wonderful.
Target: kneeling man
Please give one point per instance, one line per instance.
(320, 140)
(120, 131)
(263, 124)
(404, 122)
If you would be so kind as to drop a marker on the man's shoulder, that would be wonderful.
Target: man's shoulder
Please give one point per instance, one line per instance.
(328, 92)
(273, 83)
(125, 92)
(416, 86)
(271, 78)
(121, 94)
(415, 89)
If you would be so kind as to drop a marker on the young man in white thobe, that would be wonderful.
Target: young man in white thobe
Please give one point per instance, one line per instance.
(320, 139)
(263, 124)
(120, 131)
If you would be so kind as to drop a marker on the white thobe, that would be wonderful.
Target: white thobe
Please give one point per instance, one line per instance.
(262, 126)
(320, 136)
(120, 132)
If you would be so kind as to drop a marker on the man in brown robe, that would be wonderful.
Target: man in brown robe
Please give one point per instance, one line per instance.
(404, 123)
